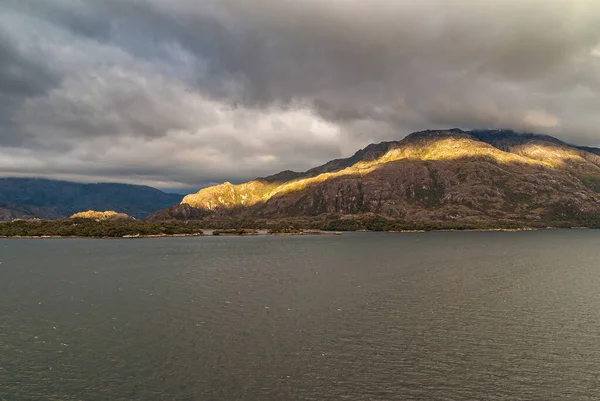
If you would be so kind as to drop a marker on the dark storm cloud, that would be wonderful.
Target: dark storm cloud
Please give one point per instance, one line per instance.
(185, 92)
(19, 76)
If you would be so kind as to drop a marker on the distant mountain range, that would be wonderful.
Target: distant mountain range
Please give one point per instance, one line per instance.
(10, 211)
(442, 176)
(50, 199)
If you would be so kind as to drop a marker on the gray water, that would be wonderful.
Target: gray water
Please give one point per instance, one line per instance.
(364, 316)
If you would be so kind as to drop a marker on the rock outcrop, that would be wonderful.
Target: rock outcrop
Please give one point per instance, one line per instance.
(178, 212)
(108, 215)
(449, 175)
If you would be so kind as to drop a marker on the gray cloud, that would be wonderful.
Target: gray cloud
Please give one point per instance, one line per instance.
(184, 93)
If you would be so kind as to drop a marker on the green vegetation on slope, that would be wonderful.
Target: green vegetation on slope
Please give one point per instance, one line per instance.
(91, 228)
(559, 218)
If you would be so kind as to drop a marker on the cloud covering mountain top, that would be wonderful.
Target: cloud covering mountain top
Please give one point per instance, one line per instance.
(185, 93)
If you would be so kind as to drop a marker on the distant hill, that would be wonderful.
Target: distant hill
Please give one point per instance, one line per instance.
(62, 198)
(108, 215)
(429, 176)
(10, 211)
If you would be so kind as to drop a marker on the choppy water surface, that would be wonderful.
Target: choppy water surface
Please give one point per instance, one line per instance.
(434, 316)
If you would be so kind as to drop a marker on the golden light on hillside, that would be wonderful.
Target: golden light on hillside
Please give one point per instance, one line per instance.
(95, 215)
(227, 195)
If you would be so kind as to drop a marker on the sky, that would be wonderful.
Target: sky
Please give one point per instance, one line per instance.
(186, 93)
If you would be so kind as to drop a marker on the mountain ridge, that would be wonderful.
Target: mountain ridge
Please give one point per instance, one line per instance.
(65, 198)
(429, 175)
(11, 211)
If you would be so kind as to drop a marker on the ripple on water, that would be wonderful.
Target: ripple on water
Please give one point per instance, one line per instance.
(436, 316)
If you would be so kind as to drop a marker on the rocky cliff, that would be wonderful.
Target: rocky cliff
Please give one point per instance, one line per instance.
(109, 215)
(451, 175)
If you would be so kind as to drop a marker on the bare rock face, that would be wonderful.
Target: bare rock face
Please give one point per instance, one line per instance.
(432, 175)
(177, 212)
(108, 215)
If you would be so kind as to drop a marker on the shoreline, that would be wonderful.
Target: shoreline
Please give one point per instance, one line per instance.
(208, 233)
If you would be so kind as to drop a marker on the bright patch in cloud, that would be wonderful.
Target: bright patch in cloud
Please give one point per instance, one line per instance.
(540, 119)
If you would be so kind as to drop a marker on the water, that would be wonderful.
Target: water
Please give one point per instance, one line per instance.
(365, 316)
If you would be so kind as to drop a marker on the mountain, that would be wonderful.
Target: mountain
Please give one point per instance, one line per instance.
(62, 198)
(595, 151)
(10, 211)
(182, 211)
(442, 176)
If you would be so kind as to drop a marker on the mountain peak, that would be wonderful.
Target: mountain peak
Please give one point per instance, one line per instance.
(503, 139)
(434, 174)
(432, 135)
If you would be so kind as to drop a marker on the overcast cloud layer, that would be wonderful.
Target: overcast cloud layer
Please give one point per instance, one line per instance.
(183, 93)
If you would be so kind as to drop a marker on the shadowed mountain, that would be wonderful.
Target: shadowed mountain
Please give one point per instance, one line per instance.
(10, 211)
(449, 175)
(182, 211)
(66, 198)
(589, 149)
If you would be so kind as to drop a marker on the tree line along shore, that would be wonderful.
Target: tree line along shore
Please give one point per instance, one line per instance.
(138, 228)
